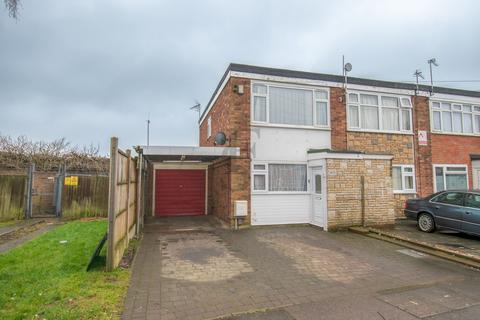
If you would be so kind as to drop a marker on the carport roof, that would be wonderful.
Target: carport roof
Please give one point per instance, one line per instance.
(185, 153)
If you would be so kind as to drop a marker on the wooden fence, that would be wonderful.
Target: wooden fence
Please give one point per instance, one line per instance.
(122, 203)
(89, 198)
(12, 196)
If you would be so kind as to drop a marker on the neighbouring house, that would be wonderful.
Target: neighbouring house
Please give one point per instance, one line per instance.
(304, 147)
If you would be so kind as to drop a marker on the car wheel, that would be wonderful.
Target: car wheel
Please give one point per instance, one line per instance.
(426, 222)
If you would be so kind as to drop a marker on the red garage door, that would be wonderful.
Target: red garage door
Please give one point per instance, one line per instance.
(179, 192)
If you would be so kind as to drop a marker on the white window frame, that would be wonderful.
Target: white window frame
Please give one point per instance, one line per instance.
(451, 111)
(403, 176)
(265, 172)
(444, 166)
(380, 108)
(209, 126)
(289, 86)
(259, 172)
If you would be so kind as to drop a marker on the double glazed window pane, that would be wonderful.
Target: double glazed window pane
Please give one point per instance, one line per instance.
(290, 106)
(397, 178)
(447, 121)
(353, 116)
(369, 117)
(456, 181)
(408, 182)
(457, 122)
(406, 120)
(321, 113)
(390, 119)
(259, 182)
(287, 177)
(437, 121)
(439, 179)
(260, 108)
(467, 123)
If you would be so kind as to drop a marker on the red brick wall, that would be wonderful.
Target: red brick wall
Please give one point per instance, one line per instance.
(338, 119)
(231, 115)
(423, 154)
(455, 149)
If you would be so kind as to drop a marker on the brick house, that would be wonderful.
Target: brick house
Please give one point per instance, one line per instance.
(309, 150)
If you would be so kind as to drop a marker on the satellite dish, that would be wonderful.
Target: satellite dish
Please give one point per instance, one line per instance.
(220, 138)
(348, 67)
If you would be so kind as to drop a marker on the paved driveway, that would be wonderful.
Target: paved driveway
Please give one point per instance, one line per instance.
(188, 269)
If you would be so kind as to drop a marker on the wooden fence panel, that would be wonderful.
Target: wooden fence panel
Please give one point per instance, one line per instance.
(122, 203)
(12, 196)
(87, 199)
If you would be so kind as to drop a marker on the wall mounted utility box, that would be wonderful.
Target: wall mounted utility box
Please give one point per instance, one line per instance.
(241, 208)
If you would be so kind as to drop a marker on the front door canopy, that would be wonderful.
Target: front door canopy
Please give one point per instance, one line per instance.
(185, 153)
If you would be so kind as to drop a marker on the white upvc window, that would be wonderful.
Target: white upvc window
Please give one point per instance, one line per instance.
(450, 177)
(379, 112)
(403, 178)
(456, 118)
(279, 177)
(259, 180)
(209, 127)
(284, 105)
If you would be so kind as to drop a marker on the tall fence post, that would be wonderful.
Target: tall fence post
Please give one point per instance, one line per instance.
(112, 203)
(59, 189)
(127, 214)
(29, 192)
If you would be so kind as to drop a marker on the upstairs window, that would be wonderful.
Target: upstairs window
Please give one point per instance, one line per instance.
(383, 113)
(290, 106)
(449, 117)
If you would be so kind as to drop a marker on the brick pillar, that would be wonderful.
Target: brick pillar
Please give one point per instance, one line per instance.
(338, 119)
(423, 153)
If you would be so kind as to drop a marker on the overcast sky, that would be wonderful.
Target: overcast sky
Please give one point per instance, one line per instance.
(90, 69)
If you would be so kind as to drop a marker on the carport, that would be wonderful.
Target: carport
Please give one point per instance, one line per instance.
(177, 178)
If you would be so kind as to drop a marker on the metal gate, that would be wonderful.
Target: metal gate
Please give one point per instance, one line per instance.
(44, 193)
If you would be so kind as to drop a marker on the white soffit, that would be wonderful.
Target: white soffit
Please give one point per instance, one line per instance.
(350, 156)
(190, 151)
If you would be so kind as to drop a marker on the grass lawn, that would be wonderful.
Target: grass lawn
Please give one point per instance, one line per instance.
(45, 279)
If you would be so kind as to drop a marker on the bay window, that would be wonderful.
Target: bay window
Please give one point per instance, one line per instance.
(403, 178)
(374, 112)
(279, 177)
(295, 106)
(450, 177)
(450, 117)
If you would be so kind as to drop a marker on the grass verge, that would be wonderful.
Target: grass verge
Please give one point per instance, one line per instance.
(46, 279)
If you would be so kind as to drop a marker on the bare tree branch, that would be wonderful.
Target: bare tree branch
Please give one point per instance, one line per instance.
(18, 153)
(12, 7)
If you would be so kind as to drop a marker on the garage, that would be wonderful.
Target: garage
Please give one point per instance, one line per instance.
(180, 192)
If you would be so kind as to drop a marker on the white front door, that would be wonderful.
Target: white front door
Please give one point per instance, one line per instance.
(318, 195)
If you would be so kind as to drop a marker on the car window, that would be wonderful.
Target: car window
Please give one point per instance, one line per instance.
(472, 200)
(455, 198)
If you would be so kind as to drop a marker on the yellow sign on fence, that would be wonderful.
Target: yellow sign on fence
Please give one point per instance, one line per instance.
(71, 181)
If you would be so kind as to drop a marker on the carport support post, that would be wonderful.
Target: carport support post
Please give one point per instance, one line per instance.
(138, 207)
(111, 203)
(362, 194)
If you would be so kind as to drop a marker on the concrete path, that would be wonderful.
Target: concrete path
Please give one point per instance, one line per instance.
(14, 235)
(188, 269)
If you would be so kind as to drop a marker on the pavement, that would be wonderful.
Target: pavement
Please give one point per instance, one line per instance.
(462, 243)
(190, 268)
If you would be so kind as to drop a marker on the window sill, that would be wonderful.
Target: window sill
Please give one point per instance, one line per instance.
(287, 126)
(404, 192)
(280, 193)
(380, 131)
(456, 134)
